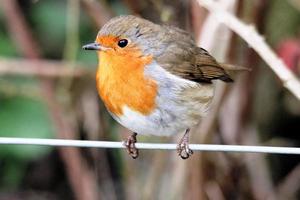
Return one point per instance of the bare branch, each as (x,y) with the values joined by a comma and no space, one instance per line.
(41,68)
(295,4)
(289,187)
(260,180)
(72,30)
(207,38)
(256,41)
(20,34)
(84,186)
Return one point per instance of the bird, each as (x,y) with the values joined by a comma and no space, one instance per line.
(154,79)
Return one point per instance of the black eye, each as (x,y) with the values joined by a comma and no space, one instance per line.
(122,43)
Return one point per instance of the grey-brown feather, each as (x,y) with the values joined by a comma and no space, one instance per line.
(172,48)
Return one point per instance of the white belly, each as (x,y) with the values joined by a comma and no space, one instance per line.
(180,104)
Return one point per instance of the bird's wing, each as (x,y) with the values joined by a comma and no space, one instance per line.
(192,63)
(209,68)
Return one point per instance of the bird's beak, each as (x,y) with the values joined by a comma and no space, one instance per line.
(92,46)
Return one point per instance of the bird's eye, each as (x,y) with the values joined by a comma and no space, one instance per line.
(122,43)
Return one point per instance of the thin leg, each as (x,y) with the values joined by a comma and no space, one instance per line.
(130,146)
(183,149)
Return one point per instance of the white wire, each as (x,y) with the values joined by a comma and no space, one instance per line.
(157,146)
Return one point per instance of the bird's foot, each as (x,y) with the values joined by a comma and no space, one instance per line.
(129,143)
(183,148)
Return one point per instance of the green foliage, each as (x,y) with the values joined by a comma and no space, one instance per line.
(12,172)
(87,34)
(283,21)
(50,23)
(88,57)
(119,7)
(6,47)
(23,117)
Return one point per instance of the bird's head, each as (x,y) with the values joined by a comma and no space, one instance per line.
(131,36)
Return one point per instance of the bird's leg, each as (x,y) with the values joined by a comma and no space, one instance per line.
(183,149)
(130,146)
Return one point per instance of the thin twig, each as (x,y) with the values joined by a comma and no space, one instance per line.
(207,38)
(16,23)
(84,186)
(256,41)
(260,180)
(295,4)
(41,68)
(154,146)
(72,30)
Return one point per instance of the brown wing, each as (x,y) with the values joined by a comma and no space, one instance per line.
(194,64)
(209,68)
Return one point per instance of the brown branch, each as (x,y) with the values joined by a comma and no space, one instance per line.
(295,4)
(72,30)
(82,181)
(204,132)
(289,187)
(239,105)
(80,176)
(214,191)
(99,13)
(20,34)
(154,174)
(134,6)
(41,68)
(243,91)
(260,180)
(198,15)
(257,42)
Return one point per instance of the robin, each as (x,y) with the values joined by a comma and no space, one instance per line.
(153,79)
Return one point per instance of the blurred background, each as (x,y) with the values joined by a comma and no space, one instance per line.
(47,90)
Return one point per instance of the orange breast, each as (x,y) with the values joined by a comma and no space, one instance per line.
(121,82)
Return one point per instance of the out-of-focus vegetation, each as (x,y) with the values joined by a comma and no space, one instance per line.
(68,107)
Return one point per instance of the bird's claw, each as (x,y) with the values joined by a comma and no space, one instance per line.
(183,150)
(129,143)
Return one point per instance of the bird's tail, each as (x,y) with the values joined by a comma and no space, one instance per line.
(230,67)
(234,70)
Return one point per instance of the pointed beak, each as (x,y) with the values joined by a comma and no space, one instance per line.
(92,46)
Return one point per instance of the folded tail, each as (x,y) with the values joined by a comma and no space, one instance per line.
(230,67)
